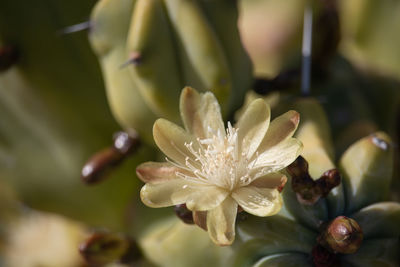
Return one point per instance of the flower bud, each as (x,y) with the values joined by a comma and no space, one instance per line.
(102,248)
(308,190)
(328,181)
(126,143)
(342,235)
(99,165)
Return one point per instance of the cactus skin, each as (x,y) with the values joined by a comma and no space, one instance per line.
(163,55)
(110,20)
(315,134)
(223,16)
(157,71)
(201,46)
(54,115)
(358,198)
(172,243)
(367,171)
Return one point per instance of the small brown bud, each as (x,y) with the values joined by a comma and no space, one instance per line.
(329,180)
(305,187)
(102,248)
(126,143)
(99,165)
(307,190)
(299,167)
(342,235)
(184,213)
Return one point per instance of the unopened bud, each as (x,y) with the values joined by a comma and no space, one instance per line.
(126,143)
(299,167)
(99,165)
(302,184)
(184,213)
(328,181)
(102,248)
(308,190)
(342,235)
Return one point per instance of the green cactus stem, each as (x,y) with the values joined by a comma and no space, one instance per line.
(150,42)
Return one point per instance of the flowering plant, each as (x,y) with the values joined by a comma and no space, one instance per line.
(215,171)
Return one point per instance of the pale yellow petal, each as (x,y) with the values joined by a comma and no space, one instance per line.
(201,113)
(166,194)
(197,196)
(172,141)
(258,201)
(278,157)
(270,180)
(206,198)
(280,129)
(157,172)
(221,222)
(252,126)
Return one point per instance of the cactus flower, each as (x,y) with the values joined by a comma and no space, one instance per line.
(214,170)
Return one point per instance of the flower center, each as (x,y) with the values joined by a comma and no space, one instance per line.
(218,160)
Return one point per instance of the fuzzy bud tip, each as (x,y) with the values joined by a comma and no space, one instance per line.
(342,235)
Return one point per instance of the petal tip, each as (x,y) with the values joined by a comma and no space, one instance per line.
(226,239)
(295,118)
(140,172)
(188,92)
(157,124)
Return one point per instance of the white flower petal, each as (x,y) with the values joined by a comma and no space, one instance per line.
(270,180)
(173,192)
(197,197)
(157,172)
(252,126)
(221,222)
(206,198)
(278,157)
(172,140)
(258,201)
(200,113)
(280,129)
